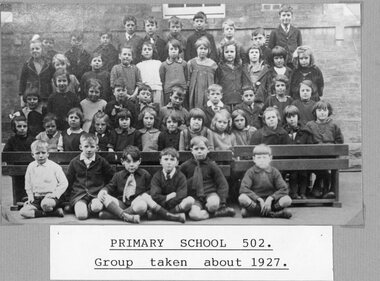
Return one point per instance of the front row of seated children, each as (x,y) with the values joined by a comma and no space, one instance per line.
(197,187)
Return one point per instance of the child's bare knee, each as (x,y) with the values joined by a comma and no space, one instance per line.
(47,204)
(80,210)
(27,212)
(285,201)
(96,206)
(213,203)
(139,207)
(244,200)
(196,213)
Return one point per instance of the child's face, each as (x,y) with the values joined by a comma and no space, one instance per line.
(40,154)
(305,92)
(248,97)
(279,61)
(168,163)
(150,28)
(88,147)
(173,51)
(239,122)
(100,125)
(145,96)
(21,128)
(32,102)
(230,53)
(196,123)
(199,24)
(176,100)
(93,94)
(286,18)
(322,114)
(76,43)
(148,120)
(50,128)
(259,39)
(124,123)
(271,119)
(221,124)
(202,51)
(131,165)
(147,52)
(229,32)
(48,44)
(199,151)
(280,88)
(60,65)
(120,94)
(171,125)
(254,55)
(292,120)
(262,160)
(35,50)
(126,56)
(304,59)
(215,96)
(175,28)
(74,121)
(96,63)
(130,27)
(62,83)
(105,39)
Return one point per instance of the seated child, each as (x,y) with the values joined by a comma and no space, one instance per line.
(100,127)
(126,195)
(87,175)
(59,61)
(169,137)
(45,182)
(305,104)
(169,186)
(110,55)
(70,138)
(263,191)
(251,108)
(149,134)
(240,128)
(205,183)
(21,140)
(51,135)
(214,103)
(221,131)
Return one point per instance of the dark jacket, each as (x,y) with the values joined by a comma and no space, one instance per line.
(267,136)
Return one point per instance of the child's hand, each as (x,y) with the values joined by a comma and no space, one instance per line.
(171,196)
(102,195)
(261,201)
(49,195)
(267,206)
(30,199)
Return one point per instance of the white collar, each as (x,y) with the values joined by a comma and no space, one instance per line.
(171,173)
(210,104)
(128,37)
(84,158)
(69,131)
(284,28)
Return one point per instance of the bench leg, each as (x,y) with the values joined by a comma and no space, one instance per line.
(18,190)
(335,187)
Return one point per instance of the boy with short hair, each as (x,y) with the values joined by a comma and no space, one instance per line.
(169,186)
(131,38)
(45,182)
(199,23)
(286,35)
(150,25)
(260,38)
(87,175)
(214,103)
(107,50)
(263,191)
(175,27)
(228,28)
(251,107)
(206,183)
(126,196)
(48,46)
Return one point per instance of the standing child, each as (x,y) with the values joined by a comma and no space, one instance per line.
(45,182)
(99,74)
(324,130)
(286,35)
(214,103)
(175,27)
(305,104)
(230,75)
(70,138)
(199,23)
(131,38)
(78,57)
(259,37)
(93,103)
(87,174)
(205,183)
(251,108)
(127,71)
(173,71)
(51,135)
(221,131)
(61,62)
(126,196)
(263,191)
(169,137)
(201,73)
(228,28)
(150,25)
(37,71)
(241,128)
(63,100)
(48,46)
(100,127)
(107,50)
(196,128)
(149,134)
(150,71)
(305,69)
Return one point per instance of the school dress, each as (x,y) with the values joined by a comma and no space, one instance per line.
(120,138)
(168,139)
(268,136)
(173,73)
(150,74)
(253,114)
(312,73)
(327,132)
(129,73)
(149,139)
(244,136)
(89,109)
(191,51)
(305,109)
(202,75)
(52,141)
(223,141)
(71,140)
(103,77)
(110,56)
(60,104)
(80,61)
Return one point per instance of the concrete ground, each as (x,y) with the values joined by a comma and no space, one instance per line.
(350,214)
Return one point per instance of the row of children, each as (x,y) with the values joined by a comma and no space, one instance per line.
(198,187)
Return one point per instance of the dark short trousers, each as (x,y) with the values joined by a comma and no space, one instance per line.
(38,199)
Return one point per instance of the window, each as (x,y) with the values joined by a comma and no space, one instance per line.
(270,7)
(187,11)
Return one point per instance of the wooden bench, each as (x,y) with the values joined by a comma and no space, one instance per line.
(300,157)
(14,164)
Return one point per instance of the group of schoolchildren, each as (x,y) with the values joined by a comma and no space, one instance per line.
(170,95)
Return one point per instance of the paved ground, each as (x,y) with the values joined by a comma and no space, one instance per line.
(350,214)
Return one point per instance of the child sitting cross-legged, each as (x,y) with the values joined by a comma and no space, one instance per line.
(126,196)
(45,182)
(263,191)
